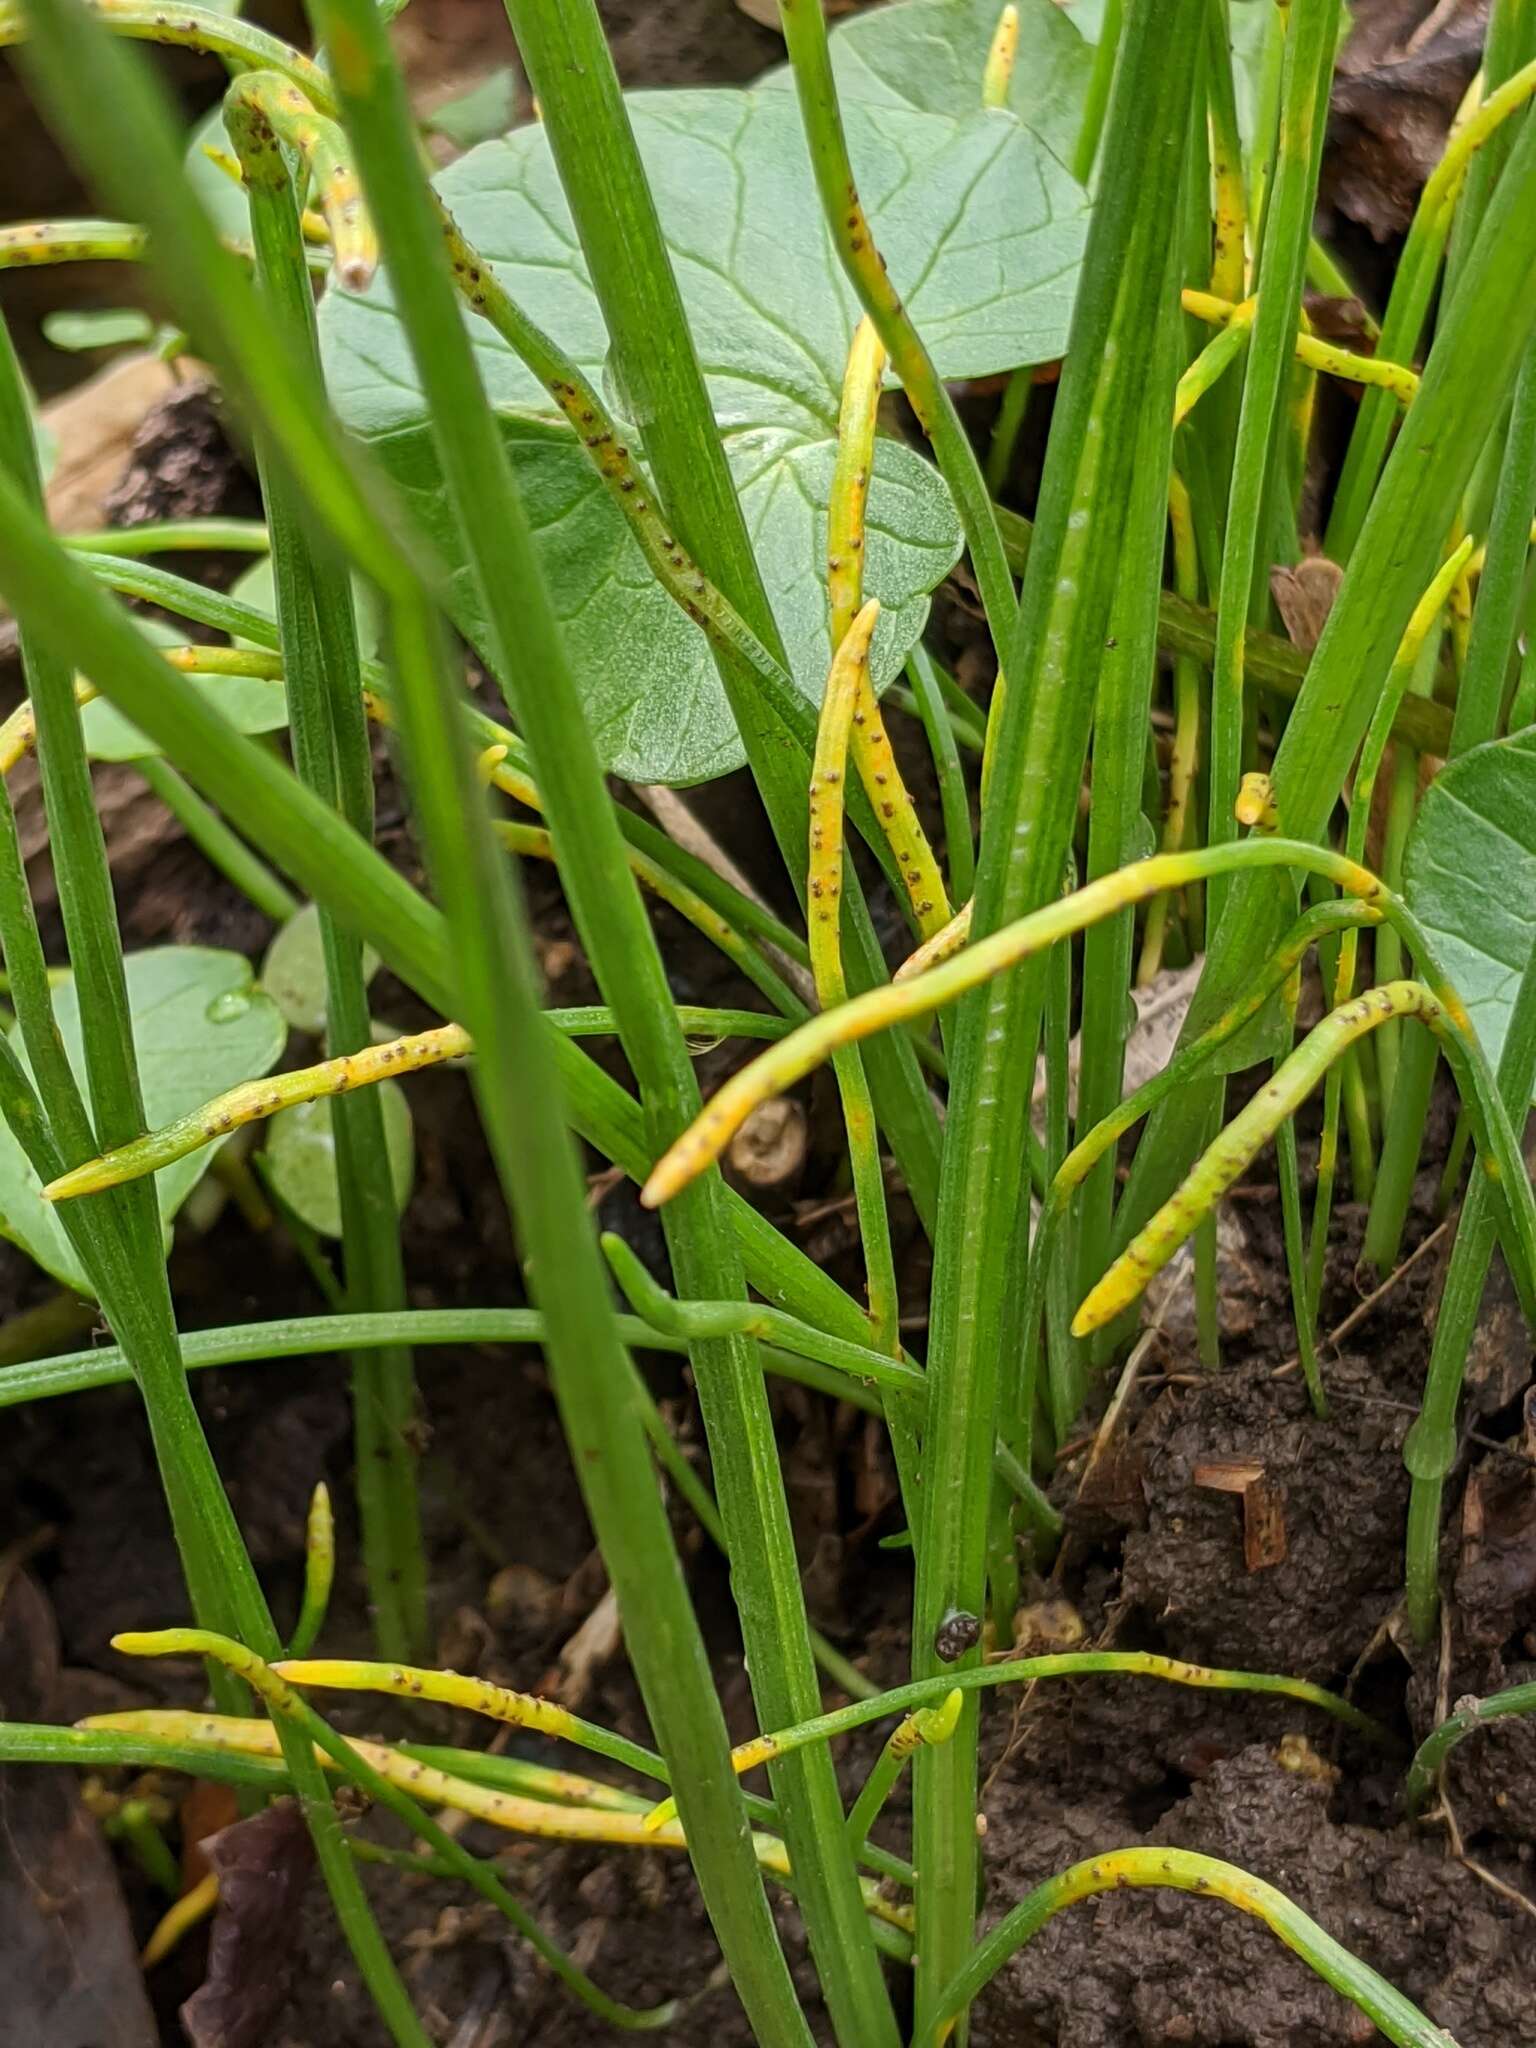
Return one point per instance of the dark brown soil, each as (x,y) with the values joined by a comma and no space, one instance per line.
(1156,1559)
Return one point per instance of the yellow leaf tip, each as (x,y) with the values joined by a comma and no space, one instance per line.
(137,1642)
(1087,1319)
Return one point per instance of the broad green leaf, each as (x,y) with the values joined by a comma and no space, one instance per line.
(199,1026)
(249,704)
(1086,16)
(655,705)
(301,1157)
(293,973)
(1250,23)
(475,116)
(928,55)
(1469,874)
(982,229)
(255,586)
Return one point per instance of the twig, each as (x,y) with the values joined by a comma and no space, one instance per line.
(1361,1310)
(1446,1811)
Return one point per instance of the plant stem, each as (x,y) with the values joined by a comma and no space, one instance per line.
(122,1240)
(1181,1870)
(1039,742)
(847,688)
(805,37)
(1096,99)
(954,800)
(1496,618)
(524,1123)
(224,849)
(216,30)
(360,1763)
(933,1692)
(1185,756)
(1413,286)
(1409,655)
(1481,342)
(1158,1239)
(1116,824)
(1432,1752)
(869,745)
(173,536)
(1479,702)
(922,1725)
(1430,1449)
(331,757)
(1184,1065)
(571,71)
(1311,35)
(331,864)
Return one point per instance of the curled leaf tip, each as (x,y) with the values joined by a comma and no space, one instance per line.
(940,1722)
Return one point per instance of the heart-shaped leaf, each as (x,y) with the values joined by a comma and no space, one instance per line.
(1469,874)
(199,1027)
(928,56)
(293,973)
(248,702)
(301,1157)
(982,228)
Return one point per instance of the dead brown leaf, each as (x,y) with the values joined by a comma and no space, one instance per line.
(1304,597)
(262,1865)
(68,1963)
(1400,78)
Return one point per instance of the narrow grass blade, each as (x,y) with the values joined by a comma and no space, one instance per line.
(1481,342)
(332,865)
(933,1692)
(1311,34)
(531,663)
(331,756)
(223,849)
(1470,1714)
(571,71)
(922,1725)
(1413,287)
(361,1763)
(1039,745)
(1182,1870)
(848,692)
(1431,1448)
(1393,1184)
(1117,826)
(805,37)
